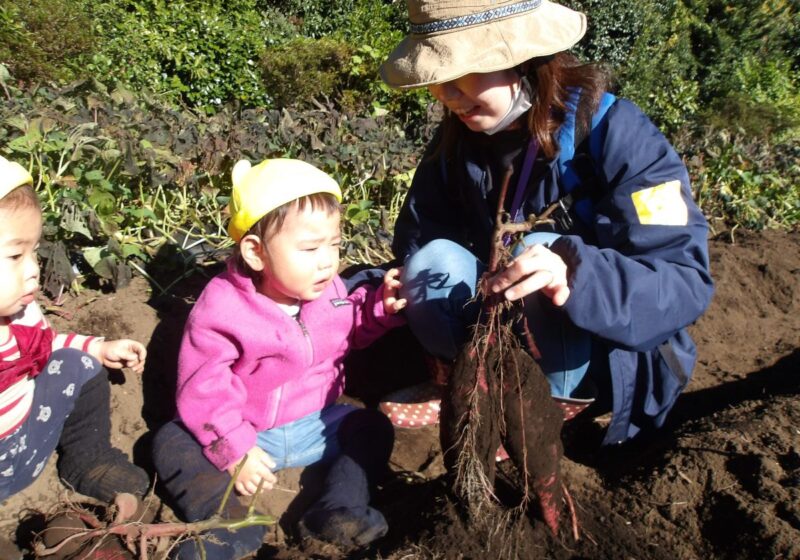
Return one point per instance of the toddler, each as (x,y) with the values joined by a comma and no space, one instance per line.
(260,367)
(54,390)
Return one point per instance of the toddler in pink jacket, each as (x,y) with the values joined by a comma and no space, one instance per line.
(260,367)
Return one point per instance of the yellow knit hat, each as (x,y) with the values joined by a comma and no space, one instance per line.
(12,175)
(257,190)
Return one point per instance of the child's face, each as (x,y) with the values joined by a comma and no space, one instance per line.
(479,100)
(303,257)
(20,229)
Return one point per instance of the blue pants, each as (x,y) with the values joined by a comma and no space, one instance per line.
(314,438)
(440,281)
(307,440)
(357,442)
(24,453)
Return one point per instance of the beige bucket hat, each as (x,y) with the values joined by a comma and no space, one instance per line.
(451,38)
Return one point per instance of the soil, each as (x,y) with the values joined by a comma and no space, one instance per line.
(720,480)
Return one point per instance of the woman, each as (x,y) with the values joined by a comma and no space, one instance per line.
(609,288)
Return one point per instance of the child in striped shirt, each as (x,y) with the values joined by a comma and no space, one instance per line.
(54,391)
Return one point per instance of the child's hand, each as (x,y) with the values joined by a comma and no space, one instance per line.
(257,467)
(120,353)
(391,284)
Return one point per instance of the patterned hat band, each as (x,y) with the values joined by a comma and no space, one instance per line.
(474,19)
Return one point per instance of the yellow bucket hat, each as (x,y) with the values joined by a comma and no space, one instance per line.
(259,189)
(453,38)
(12,175)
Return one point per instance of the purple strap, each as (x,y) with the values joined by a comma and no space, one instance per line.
(522,183)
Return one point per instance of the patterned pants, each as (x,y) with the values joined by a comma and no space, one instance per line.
(24,453)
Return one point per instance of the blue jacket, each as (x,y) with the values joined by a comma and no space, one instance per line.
(638,269)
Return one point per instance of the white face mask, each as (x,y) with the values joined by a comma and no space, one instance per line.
(519,104)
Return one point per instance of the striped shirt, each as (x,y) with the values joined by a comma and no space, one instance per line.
(16,400)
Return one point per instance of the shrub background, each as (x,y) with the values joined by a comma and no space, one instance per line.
(130,112)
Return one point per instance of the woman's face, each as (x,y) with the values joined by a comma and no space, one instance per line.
(479,100)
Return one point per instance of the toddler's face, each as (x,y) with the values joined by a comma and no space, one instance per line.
(303,257)
(20,229)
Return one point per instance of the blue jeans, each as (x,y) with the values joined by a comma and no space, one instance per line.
(440,281)
(307,440)
(180,463)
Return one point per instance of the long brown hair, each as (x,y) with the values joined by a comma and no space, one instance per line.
(551,79)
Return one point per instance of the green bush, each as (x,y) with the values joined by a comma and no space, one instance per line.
(693,61)
(374,28)
(40,39)
(743,180)
(317,18)
(661,72)
(647,45)
(125,179)
(747,54)
(302,69)
(354,38)
(612,29)
(764,101)
(204,52)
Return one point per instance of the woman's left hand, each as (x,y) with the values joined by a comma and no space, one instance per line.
(536,268)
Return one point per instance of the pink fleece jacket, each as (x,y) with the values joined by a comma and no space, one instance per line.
(246,366)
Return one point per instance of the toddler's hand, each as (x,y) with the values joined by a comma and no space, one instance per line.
(121,353)
(391,284)
(257,467)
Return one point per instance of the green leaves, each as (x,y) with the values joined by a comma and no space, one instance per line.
(199,52)
(73,220)
(740,180)
(358,212)
(122,190)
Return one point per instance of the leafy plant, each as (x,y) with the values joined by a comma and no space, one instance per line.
(127,182)
(40,39)
(740,180)
(746,50)
(304,69)
(614,26)
(202,52)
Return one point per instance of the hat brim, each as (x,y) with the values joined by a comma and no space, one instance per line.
(422,60)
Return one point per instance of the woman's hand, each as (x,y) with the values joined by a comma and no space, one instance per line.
(536,268)
(120,353)
(258,467)
(391,285)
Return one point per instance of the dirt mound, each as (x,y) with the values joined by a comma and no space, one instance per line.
(721,480)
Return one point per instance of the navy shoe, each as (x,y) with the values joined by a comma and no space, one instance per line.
(111,474)
(347,527)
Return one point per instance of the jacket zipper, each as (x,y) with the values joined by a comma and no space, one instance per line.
(307,337)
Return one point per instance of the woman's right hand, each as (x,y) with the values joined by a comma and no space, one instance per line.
(258,467)
(536,268)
